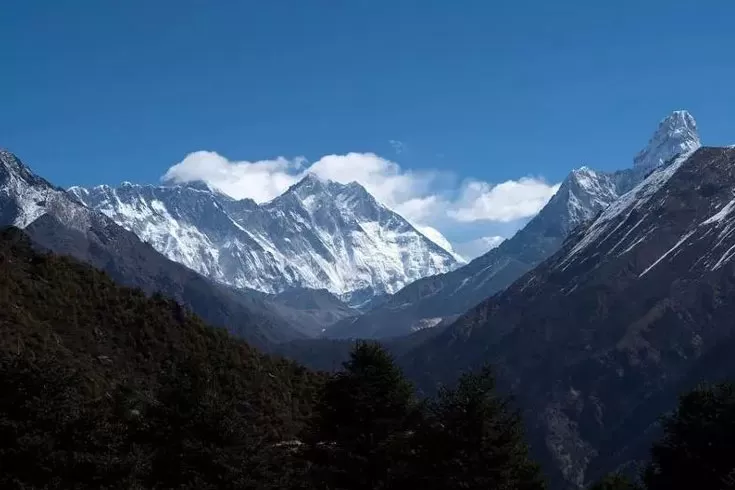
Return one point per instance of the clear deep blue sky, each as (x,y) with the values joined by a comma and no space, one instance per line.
(104,91)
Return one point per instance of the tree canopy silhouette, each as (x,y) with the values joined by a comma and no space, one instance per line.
(697,449)
(363,413)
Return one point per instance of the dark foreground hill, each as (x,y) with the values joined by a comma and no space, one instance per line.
(600,339)
(104,387)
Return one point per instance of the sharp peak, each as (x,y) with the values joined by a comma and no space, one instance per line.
(679,120)
(314,185)
(355,185)
(676,134)
(10,163)
(308,181)
(314,180)
(580,172)
(5,153)
(312,177)
(584,169)
(680,116)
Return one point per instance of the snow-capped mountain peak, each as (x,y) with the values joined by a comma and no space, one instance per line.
(313,184)
(581,195)
(11,168)
(584,194)
(588,191)
(200,185)
(676,134)
(586,179)
(25,197)
(318,234)
(310,183)
(58,220)
(10,162)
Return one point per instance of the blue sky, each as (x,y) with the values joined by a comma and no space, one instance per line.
(477,93)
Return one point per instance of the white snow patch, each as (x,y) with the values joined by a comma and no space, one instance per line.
(729,253)
(425,323)
(721,214)
(666,254)
(637,241)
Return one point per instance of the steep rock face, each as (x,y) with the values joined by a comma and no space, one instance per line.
(599,340)
(676,134)
(56,221)
(583,194)
(318,234)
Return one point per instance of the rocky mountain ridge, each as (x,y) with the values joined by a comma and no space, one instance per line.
(56,221)
(583,193)
(600,338)
(318,234)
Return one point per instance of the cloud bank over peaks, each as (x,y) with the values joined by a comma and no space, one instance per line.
(260,181)
(432,200)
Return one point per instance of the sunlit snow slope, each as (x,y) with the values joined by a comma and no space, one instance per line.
(318,234)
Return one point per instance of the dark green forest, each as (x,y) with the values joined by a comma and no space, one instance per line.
(106,388)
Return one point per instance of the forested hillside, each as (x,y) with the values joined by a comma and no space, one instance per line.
(104,387)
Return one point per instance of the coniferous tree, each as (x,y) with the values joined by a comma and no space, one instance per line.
(355,439)
(472,439)
(698,446)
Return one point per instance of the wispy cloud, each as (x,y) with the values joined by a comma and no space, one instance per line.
(398,146)
(432,200)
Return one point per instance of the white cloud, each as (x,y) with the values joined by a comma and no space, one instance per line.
(260,181)
(423,209)
(431,200)
(480,246)
(383,178)
(508,201)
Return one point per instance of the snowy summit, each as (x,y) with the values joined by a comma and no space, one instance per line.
(676,134)
(318,234)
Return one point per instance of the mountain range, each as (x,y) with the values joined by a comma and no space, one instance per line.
(598,339)
(610,302)
(318,235)
(56,221)
(601,337)
(323,258)
(437,300)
